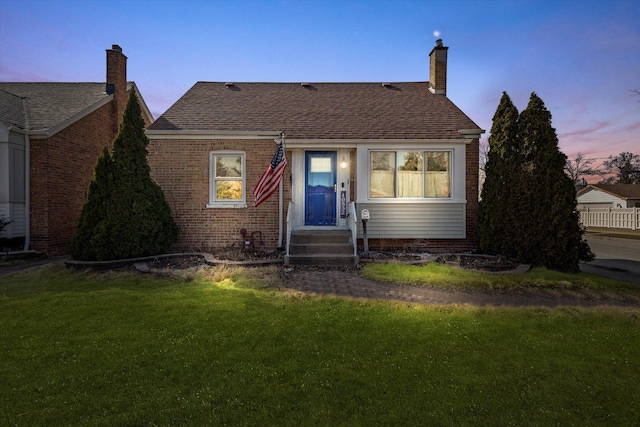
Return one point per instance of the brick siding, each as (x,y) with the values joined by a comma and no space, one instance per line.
(473,168)
(61,169)
(181,168)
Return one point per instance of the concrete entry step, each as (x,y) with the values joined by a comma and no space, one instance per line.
(320,247)
(322,260)
(320,236)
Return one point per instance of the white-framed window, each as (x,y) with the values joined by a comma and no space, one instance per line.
(410,174)
(227,179)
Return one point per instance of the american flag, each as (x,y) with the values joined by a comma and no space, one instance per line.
(270,178)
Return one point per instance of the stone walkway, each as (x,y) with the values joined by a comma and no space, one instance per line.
(351,284)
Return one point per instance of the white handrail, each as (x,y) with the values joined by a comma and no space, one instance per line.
(290,208)
(352,221)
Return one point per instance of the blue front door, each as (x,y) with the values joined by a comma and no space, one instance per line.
(320,188)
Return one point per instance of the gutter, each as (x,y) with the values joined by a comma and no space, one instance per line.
(208,134)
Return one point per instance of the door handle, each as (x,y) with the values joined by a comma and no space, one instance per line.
(335,188)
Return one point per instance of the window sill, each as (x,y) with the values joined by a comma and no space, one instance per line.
(226,205)
(412,201)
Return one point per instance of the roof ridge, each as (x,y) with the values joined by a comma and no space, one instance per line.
(312,82)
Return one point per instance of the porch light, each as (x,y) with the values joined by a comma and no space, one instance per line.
(343,163)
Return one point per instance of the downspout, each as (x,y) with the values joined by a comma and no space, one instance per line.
(27,192)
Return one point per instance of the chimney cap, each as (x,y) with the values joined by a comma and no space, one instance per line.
(439,46)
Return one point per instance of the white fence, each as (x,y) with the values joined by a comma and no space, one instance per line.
(628,218)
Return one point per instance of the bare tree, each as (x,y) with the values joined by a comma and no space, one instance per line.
(482,173)
(635,92)
(626,167)
(580,167)
(484,153)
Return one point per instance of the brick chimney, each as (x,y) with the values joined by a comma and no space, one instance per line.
(438,69)
(117,81)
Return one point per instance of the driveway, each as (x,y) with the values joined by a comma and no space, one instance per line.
(616,258)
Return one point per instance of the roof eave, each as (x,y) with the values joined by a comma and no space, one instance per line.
(143,104)
(595,187)
(209,134)
(471,133)
(48,133)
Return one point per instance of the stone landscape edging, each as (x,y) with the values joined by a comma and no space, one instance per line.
(208,258)
(141,263)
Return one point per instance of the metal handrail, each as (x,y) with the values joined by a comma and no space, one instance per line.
(352,221)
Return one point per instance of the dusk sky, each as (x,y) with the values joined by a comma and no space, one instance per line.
(581,57)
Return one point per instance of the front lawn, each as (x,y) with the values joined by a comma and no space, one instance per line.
(538,281)
(229,348)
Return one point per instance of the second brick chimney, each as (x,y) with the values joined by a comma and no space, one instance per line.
(117,81)
(438,69)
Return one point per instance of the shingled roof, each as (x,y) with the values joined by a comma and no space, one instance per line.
(318,110)
(47,105)
(12,109)
(623,191)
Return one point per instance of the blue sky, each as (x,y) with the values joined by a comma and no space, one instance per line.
(581,57)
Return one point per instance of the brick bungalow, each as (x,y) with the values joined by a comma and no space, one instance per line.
(51,135)
(402,151)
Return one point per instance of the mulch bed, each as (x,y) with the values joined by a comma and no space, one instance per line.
(226,254)
(466,261)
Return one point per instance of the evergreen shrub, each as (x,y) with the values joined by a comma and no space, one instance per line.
(125,214)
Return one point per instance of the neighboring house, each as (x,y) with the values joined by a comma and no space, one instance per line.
(51,135)
(609,196)
(403,151)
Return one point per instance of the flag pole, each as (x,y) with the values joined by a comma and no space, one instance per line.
(281,198)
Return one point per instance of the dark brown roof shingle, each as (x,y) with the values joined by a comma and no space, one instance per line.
(318,110)
(49,104)
(12,109)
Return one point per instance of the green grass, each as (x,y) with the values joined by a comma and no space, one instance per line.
(537,281)
(229,348)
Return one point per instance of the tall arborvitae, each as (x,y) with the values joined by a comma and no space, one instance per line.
(126,214)
(528,207)
(95,209)
(497,216)
(550,234)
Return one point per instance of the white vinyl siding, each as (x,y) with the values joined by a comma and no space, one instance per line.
(12,183)
(414,220)
(595,198)
(416,217)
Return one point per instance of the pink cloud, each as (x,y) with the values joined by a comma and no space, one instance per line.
(632,127)
(597,127)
